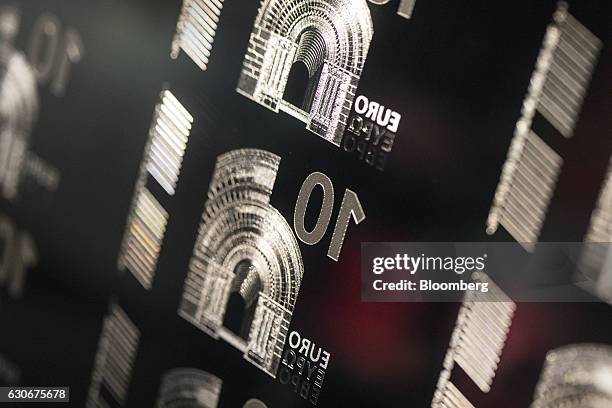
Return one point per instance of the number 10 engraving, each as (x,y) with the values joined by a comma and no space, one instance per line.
(350,207)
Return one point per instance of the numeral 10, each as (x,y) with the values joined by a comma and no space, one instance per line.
(52,52)
(350,207)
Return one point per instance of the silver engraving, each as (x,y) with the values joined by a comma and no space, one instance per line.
(254,403)
(244,247)
(169,135)
(330,37)
(18,106)
(451,397)
(565,71)
(350,208)
(476,344)
(52,52)
(317,233)
(73,51)
(114,359)
(143,238)
(557,89)
(525,190)
(189,388)
(196,29)
(595,263)
(147,220)
(576,376)
(44,44)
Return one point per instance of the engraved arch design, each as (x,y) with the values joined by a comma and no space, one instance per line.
(345,25)
(576,375)
(18,112)
(244,247)
(189,388)
(331,38)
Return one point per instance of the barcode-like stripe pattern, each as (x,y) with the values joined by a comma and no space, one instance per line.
(523,196)
(146,231)
(451,397)
(557,88)
(196,29)
(146,223)
(114,358)
(477,342)
(569,69)
(482,327)
(169,135)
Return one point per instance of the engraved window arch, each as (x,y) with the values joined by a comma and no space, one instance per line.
(244,247)
(331,37)
(189,387)
(194,388)
(576,376)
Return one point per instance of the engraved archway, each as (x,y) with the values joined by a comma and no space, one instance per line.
(330,37)
(245,248)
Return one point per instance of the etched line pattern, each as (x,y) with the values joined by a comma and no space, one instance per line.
(596,251)
(189,387)
(169,134)
(146,224)
(195,30)
(331,38)
(240,176)
(244,247)
(600,229)
(483,325)
(145,235)
(569,70)
(557,88)
(527,184)
(451,397)
(114,358)
(477,342)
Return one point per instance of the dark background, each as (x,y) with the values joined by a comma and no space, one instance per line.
(457,72)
